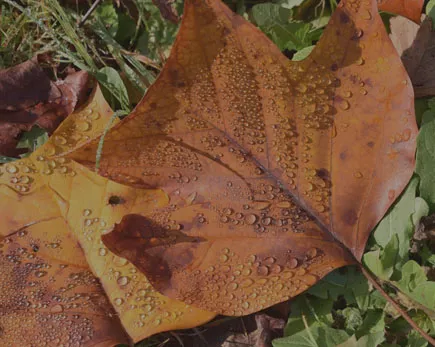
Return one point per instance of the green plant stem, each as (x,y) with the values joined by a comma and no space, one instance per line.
(101,142)
(399,309)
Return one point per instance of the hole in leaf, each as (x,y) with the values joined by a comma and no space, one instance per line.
(116,200)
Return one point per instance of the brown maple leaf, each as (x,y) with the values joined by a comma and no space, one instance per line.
(238,182)
(275,171)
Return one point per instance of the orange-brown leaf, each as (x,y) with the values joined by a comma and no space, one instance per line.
(273,169)
(407,8)
(56,274)
(48,294)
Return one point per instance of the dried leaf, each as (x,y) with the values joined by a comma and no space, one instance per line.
(51,234)
(167,10)
(274,170)
(247,179)
(30,98)
(262,337)
(407,8)
(416,45)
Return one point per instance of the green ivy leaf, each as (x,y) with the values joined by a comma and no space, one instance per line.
(374,322)
(412,276)
(107,14)
(425,165)
(303,53)
(33,139)
(353,319)
(317,335)
(110,79)
(274,20)
(369,340)
(397,223)
(416,340)
(421,210)
(430,11)
(290,3)
(382,263)
(313,309)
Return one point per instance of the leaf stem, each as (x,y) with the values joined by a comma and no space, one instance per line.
(101,142)
(307,328)
(402,312)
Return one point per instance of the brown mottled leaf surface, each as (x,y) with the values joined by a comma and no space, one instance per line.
(59,284)
(275,172)
(416,45)
(29,97)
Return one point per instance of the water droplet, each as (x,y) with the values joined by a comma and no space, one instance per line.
(358,33)
(263,270)
(87,212)
(301,271)
(118,301)
(93,115)
(344,105)
(246,272)
(25,179)
(123,280)
(56,309)
(292,263)
(47,171)
(266,221)
(233,286)
(245,305)
(250,219)
(252,258)
(223,258)
(284,204)
(269,261)
(50,149)
(118,261)
(224,219)
(82,125)
(366,14)
(312,253)
(11,168)
(262,281)
(102,251)
(275,268)
(40,273)
(360,61)
(60,140)
(406,135)
(246,283)
(261,205)
(228,211)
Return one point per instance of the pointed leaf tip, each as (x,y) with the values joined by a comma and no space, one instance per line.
(411,9)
